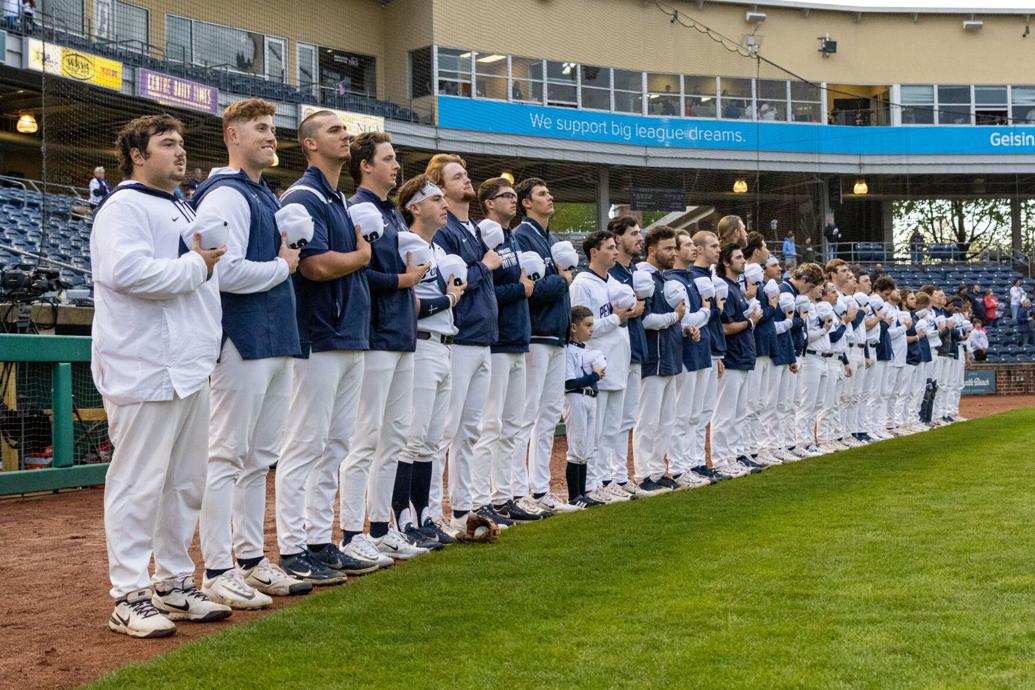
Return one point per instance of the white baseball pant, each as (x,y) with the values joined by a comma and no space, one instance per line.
(324,397)
(679,447)
(813,386)
(432,383)
(752,432)
(471,373)
(249,403)
(610,406)
(367,477)
(580,427)
(630,406)
(852,392)
(941,398)
(778,416)
(729,415)
(705,390)
(544,396)
(500,423)
(875,398)
(154,487)
(828,422)
(893,389)
(655,419)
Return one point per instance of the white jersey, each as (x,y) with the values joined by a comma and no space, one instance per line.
(157,320)
(818,339)
(609,335)
(897,333)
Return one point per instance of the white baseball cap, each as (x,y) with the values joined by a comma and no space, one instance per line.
(643,284)
(595,359)
(753,274)
(861,298)
(492,233)
(802,301)
(533,265)
(824,311)
(294,221)
(369,219)
(620,294)
(211,226)
(772,289)
(452,266)
(877,302)
(705,287)
(722,288)
(414,245)
(786,302)
(564,255)
(675,292)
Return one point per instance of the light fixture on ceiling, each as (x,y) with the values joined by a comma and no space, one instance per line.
(508,176)
(740,186)
(861,187)
(27,124)
(494,57)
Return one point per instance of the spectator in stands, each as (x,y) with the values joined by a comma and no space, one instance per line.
(878,271)
(11,12)
(832,235)
(99,187)
(991,307)
(978,341)
(790,252)
(808,253)
(29,16)
(977,301)
(1024,323)
(196,178)
(1016,297)
(916,246)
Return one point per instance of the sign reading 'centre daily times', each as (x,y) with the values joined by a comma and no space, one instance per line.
(73,64)
(745,135)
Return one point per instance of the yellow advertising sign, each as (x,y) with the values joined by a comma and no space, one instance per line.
(73,64)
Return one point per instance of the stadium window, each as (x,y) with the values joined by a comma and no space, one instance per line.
(420,72)
(454,72)
(526,80)
(991,105)
(699,99)
(917,104)
(735,98)
(561,84)
(490,76)
(68,14)
(1023,103)
(806,102)
(306,67)
(772,99)
(954,105)
(664,93)
(276,58)
(237,50)
(346,73)
(628,89)
(595,87)
(178,39)
(131,27)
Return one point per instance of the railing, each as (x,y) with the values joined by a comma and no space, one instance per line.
(886,252)
(60,352)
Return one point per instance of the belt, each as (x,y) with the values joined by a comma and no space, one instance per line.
(820,354)
(857,345)
(436,337)
(584,391)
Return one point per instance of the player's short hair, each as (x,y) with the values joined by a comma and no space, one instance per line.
(928,289)
(860,274)
(657,234)
(364,148)
(884,283)
(579,312)
(729,229)
(491,188)
(438,164)
(682,232)
(923,300)
(832,266)
(595,240)
(137,133)
(620,225)
(307,128)
(809,272)
(727,252)
(407,191)
(524,190)
(701,236)
(245,111)
(755,241)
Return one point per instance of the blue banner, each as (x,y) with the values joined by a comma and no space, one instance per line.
(742,135)
(979,382)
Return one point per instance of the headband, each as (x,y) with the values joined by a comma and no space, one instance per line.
(426,192)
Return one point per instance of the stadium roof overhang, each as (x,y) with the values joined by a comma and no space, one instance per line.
(1019,7)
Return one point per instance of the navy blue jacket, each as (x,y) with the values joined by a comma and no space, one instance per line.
(260,324)
(549,306)
(393,312)
(765,329)
(913,352)
(716,338)
(331,314)
(664,353)
(884,352)
(637,336)
(798,330)
(696,356)
(513,321)
(740,347)
(475,315)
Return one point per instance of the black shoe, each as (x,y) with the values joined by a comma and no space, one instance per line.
(652,488)
(489,514)
(418,538)
(584,501)
(432,531)
(332,557)
(668,483)
(706,472)
(302,567)
(750,464)
(515,513)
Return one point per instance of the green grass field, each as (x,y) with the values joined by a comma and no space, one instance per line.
(910,563)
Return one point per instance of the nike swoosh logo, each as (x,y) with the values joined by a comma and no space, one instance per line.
(175,219)
(305,574)
(261,581)
(178,607)
(120,619)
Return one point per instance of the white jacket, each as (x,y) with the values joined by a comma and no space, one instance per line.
(156,325)
(609,336)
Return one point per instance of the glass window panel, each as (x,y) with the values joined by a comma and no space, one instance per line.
(348,72)
(239,50)
(954,94)
(275,62)
(491,64)
(1024,115)
(803,91)
(700,86)
(491,87)
(700,106)
(527,90)
(561,71)
(628,102)
(918,115)
(598,99)
(773,90)
(561,94)
(177,39)
(917,93)
(992,117)
(454,64)
(806,112)
(1023,95)
(68,13)
(599,77)
(527,75)
(953,114)
(628,81)
(664,105)
(740,88)
(990,95)
(131,25)
(663,83)
(420,72)
(772,110)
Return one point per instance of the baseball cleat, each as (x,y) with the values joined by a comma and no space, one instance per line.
(617,493)
(489,513)
(667,482)
(530,505)
(230,589)
(180,600)
(332,557)
(515,512)
(553,504)
(585,501)
(649,487)
(706,473)
(418,539)
(747,463)
(631,488)
(395,545)
(730,470)
(689,480)
(442,528)
(135,615)
(301,566)
(362,548)
(269,578)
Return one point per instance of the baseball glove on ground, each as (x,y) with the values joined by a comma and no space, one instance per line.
(480,530)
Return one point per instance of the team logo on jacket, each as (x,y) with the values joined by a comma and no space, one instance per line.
(507,256)
(606,310)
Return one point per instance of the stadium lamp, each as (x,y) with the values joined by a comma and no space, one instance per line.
(861,187)
(27,124)
(508,176)
(740,186)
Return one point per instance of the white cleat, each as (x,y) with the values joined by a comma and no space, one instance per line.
(135,615)
(617,493)
(768,459)
(553,504)
(395,545)
(180,600)
(272,580)
(230,589)
(599,494)
(363,548)
(691,480)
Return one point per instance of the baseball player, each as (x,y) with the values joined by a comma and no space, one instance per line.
(628,243)
(595,289)
(251,383)
(476,319)
(425,209)
(815,370)
(663,361)
(706,387)
(805,281)
(583,369)
(156,335)
(778,409)
(550,311)
(731,229)
(759,396)
(505,402)
(367,477)
(850,392)
(333,315)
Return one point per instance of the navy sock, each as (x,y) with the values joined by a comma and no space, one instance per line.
(583,469)
(317,548)
(216,572)
(571,477)
(401,490)
(378,529)
(347,536)
(537,496)
(420,490)
(249,563)
(460,513)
